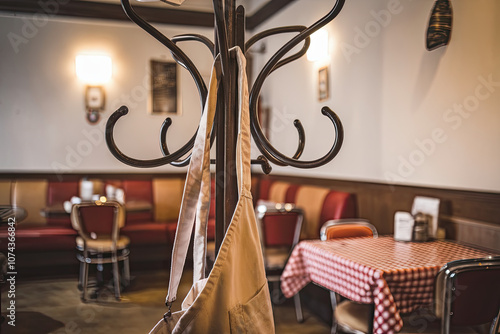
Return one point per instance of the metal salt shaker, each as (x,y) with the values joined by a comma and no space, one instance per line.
(421,228)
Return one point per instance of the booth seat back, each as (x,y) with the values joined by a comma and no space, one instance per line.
(167,196)
(274,191)
(57,194)
(319,204)
(37,196)
(138,200)
(31,195)
(5,192)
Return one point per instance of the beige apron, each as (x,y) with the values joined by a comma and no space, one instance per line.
(235,296)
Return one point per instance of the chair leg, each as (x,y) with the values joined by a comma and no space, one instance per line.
(85,276)
(126,272)
(495,326)
(116,276)
(275,292)
(80,276)
(333,301)
(100,271)
(298,307)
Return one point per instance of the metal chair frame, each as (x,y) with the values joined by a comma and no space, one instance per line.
(88,256)
(451,270)
(262,210)
(333,295)
(346,221)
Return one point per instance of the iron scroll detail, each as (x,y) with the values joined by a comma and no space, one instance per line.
(181,157)
(261,141)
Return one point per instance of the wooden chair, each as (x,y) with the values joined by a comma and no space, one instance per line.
(349,316)
(279,229)
(99,241)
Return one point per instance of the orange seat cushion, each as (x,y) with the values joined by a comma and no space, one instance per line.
(348,231)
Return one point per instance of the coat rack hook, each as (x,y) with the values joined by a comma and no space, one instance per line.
(261,141)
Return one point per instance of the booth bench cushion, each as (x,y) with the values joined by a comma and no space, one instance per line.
(150,233)
(320,204)
(36,239)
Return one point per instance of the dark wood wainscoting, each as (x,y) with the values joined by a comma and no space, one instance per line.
(468,216)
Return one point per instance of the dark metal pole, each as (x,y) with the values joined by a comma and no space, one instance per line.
(231,125)
(226,185)
(240,30)
(219,162)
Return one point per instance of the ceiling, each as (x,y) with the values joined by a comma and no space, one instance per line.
(194,5)
(191,12)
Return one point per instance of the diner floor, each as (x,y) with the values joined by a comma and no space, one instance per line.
(54,306)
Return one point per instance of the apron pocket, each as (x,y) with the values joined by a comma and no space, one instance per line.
(252,317)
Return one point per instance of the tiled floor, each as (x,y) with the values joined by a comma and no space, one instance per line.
(54,306)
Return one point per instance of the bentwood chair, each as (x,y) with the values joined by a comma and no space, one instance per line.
(349,316)
(99,241)
(468,294)
(279,229)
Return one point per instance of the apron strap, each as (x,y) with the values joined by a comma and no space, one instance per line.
(196,197)
(243,146)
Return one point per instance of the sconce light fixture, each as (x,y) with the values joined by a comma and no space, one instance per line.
(94,71)
(318,49)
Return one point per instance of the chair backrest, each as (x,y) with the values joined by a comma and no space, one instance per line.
(280,224)
(468,292)
(102,220)
(347,228)
(279,227)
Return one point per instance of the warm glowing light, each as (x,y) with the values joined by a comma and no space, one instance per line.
(103,199)
(318,50)
(93,69)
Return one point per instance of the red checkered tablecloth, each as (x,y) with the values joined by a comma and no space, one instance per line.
(396,276)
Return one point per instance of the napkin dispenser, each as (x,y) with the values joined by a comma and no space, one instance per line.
(403,226)
(408,227)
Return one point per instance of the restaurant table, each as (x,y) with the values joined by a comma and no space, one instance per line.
(397,277)
(11,211)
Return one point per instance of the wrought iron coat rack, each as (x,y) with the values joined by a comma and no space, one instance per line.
(229,32)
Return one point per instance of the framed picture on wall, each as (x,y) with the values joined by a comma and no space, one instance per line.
(323,89)
(164,88)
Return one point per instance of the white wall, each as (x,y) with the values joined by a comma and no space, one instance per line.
(391,94)
(397,100)
(42,118)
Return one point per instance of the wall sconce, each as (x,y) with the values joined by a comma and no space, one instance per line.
(94,71)
(318,49)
